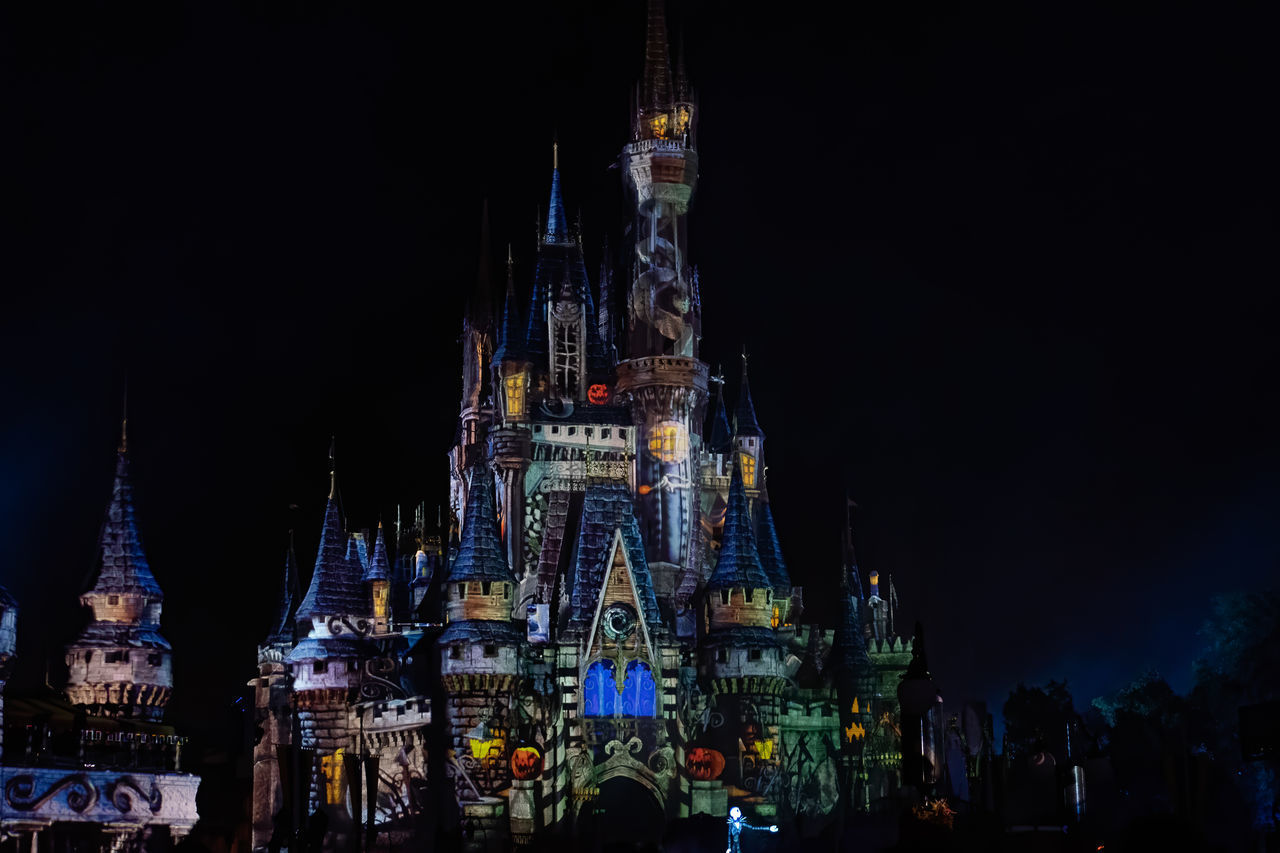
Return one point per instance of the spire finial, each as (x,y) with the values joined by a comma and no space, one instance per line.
(124,419)
(510,262)
(555,154)
(333,468)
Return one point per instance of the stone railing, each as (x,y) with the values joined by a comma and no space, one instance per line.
(39,796)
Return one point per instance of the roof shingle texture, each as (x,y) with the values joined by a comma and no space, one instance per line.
(122,565)
(480,553)
(336,588)
(738,566)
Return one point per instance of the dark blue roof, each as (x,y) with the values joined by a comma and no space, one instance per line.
(122,565)
(557,222)
(849,648)
(607,508)
(282,629)
(336,588)
(738,566)
(481,631)
(480,553)
(744,417)
(511,344)
(770,551)
(719,436)
(379,568)
(744,637)
(325,648)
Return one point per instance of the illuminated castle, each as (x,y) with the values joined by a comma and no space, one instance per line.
(609,624)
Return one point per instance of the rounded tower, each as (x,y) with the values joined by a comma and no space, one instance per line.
(120,665)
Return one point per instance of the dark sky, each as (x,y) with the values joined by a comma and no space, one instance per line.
(1007,276)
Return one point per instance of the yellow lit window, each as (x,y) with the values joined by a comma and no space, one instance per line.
(515,395)
(669,442)
(658,124)
(747,463)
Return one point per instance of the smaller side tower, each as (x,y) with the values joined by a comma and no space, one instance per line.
(378,578)
(8,649)
(748,441)
(120,665)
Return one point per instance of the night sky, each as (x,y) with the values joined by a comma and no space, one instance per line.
(1007,276)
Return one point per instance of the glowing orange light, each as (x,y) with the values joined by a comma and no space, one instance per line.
(598,395)
(645,489)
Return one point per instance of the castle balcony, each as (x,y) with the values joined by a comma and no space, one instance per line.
(35,798)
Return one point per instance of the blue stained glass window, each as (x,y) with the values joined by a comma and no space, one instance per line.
(599,690)
(639,692)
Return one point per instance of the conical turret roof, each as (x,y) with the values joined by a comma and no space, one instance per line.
(335,587)
(739,564)
(480,553)
(770,550)
(744,417)
(719,436)
(284,625)
(122,566)
(511,335)
(379,568)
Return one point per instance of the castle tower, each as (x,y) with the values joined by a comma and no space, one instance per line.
(378,578)
(478,650)
(852,678)
(662,378)
(748,440)
(511,440)
(742,654)
(325,664)
(476,411)
(775,566)
(8,649)
(120,665)
(273,712)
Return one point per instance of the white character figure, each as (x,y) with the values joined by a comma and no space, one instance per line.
(736,825)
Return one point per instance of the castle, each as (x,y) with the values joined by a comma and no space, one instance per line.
(607,639)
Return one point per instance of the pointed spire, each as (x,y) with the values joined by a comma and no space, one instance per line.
(719,436)
(379,567)
(122,565)
(744,417)
(682,78)
(479,310)
(335,588)
(511,346)
(557,221)
(770,550)
(656,82)
(284,628)
(851,579)
(739,564)
(481,556)
(124,420)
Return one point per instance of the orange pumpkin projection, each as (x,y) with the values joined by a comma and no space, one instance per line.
(704,764)
(526,762)
(598,395)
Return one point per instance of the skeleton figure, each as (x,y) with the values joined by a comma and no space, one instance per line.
(736,824)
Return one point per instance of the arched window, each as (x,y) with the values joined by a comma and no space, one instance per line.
(639,692)
(599,690)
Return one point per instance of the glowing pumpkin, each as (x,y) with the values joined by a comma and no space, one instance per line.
(598,395)
(704,764)
(526,763)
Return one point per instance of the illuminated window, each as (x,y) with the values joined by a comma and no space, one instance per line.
(747,463)
(639,691)
(515,395)
(776,619)
(599,690)
(658,124)
(567,361)
(669,442)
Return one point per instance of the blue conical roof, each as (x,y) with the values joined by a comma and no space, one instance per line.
(480,553)
(557,223)
(744,418)
(379,568)
(770,551)
(122,566)
(739,564)
(849,649)
(336,588)
(511,337)
(719,436)
(282,629)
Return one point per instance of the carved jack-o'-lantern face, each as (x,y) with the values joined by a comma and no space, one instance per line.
(526,762)
(704,764)
(598,395)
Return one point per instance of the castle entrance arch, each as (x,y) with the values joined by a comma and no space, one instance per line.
(625,810)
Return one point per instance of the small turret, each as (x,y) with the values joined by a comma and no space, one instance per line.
(120,665)
(741,594)
(748,438)
(284,628)
(775,566)
(378,577)
(510,362)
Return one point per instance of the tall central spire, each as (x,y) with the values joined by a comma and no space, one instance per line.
(656,94)
(557,221)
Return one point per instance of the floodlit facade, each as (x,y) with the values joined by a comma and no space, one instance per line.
(604,638)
